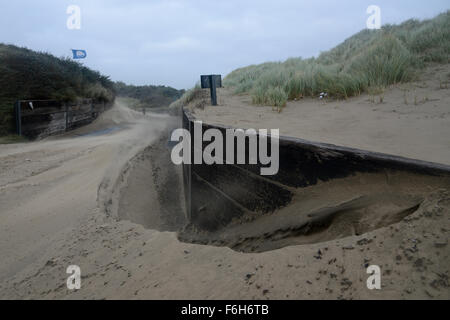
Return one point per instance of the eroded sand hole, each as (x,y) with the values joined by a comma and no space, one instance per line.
(327,211)
(306,223)
(152,194)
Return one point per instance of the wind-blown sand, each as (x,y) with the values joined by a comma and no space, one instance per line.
(63,201)
(413,120)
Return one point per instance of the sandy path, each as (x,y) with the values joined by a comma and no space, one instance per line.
(47,187)
(52,215)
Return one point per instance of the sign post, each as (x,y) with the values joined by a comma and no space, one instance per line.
(212,82)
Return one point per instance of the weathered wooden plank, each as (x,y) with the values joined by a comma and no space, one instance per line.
(43,129)
(37,118)
(41,110)
(40,106)
(79,107)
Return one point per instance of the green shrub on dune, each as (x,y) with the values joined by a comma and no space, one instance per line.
(148,96)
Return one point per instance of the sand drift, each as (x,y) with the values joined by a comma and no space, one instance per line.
(321,193)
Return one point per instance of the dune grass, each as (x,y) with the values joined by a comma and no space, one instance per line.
(370,60)
(187,97)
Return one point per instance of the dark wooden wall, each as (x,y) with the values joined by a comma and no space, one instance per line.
(216,194)
(37,119)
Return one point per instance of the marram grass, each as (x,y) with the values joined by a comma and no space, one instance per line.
(370,59)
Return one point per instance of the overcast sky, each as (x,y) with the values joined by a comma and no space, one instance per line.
(172,42)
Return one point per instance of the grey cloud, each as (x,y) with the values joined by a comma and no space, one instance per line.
(172,42)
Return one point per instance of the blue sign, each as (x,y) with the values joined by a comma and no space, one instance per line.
(79,54)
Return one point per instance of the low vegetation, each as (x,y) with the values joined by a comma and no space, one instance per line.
(366,62)
(12,138)
(147,96)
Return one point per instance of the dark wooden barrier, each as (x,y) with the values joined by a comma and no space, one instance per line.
(41,118)
(216,194)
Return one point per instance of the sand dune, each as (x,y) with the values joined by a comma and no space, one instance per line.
(413,119)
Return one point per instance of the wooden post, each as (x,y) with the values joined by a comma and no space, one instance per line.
(212,80)
(66,108)
(18,114)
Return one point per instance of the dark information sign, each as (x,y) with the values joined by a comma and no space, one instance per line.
(206,80)
(211,81)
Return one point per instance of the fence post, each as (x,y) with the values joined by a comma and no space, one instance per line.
(18,115)
(66,109)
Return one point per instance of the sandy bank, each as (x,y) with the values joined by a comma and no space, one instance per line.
(413,119)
